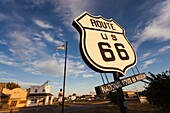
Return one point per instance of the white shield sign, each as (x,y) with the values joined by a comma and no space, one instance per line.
(103,45)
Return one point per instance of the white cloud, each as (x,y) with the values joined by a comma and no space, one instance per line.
(4,59)
(159,26)
(47,36)
(164,49)
(88,75)
(31,56)
(149,62)
(42,24)
(49,67)
(4,73)
(22,46)
(53,67)
(68,10)
(144,56)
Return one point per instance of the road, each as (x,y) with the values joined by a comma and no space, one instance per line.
(54,109)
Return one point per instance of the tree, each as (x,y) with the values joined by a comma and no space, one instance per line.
(158,90)
(12,85)
(74,94)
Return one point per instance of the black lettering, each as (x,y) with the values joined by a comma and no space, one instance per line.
(114,37)
(133,79)
(98,24)
(112,27)
(103,52)
(93,22)
(104,25)
(108,25)
(123,56)
(104,37)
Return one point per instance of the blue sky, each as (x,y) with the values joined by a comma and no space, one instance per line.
(30,31)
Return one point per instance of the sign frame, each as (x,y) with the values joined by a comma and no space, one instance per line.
(83,40)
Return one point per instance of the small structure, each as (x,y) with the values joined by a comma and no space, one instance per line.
(40,95)
(143,99)
(130,94)
(17,97)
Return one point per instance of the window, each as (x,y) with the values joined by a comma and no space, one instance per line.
(36,90)
(43,90)
(13,103)
(33,101)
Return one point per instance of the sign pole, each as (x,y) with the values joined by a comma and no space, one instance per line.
(120,95)
(64,77)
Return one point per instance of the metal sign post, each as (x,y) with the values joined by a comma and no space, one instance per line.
(120,95)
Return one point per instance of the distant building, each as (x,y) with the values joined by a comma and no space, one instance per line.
(130,94)
(39,95)
(17,97)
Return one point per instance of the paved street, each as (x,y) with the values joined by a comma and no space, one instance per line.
(54,109)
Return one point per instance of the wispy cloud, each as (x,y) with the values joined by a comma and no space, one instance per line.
(43,24)
(144,56)
(158,27)
(88,75)
(28,48)
(49,38)
(149,62)
(3,17)
(70,9)
(150,54)
(4,73)
(164,49)
(3,42)
(5,59)
(53,67)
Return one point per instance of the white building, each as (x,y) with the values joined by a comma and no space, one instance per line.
(40,95)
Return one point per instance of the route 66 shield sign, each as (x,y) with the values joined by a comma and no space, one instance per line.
(103,44)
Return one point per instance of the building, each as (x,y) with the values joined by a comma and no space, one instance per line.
(130,94)
(3,97)
(17,97)
(40,95)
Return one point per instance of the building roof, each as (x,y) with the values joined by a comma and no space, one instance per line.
(40,94)
(3,95)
